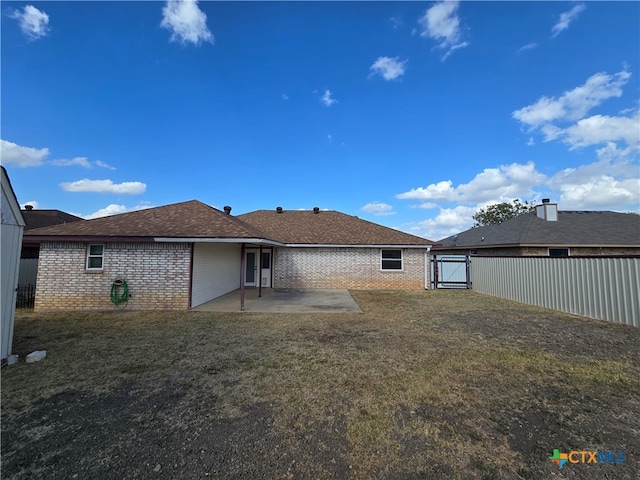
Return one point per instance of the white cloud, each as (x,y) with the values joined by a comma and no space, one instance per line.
(104,186)
(506,182)
(378,209)
(33,22)
(388,68)
(528,46)
(566,18)
(448,222)
(563,118)
(492,185)
(396,22)
(114,209)
(600,193)
(80,162)
(77,161)
(502,184)
(611,153)
(574,104)
(439,192)
(102,164)
(327,100)
(11,153)
(611,182)
(186,22)
(442,24)
(599,129)
(285,97)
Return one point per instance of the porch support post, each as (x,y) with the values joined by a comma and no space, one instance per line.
(242,273)
(260,273)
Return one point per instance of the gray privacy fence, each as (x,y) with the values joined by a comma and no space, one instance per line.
(604,288)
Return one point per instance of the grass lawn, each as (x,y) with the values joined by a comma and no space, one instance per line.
(425,384)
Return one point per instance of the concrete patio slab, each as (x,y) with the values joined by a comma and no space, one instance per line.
(284,300)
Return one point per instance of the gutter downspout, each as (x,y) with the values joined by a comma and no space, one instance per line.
(242,269)
(193,248)
(427,269)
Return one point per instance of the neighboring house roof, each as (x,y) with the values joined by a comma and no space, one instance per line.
(573,228)
(322,227)
(185,220)
(46,218)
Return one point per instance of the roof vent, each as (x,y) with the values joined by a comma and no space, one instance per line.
(28,207)
(545,200)
(316,210)
(227,209)
(279,209)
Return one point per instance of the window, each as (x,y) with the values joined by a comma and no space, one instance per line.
(391,259)
(558,252)
(95,257)
(266,259)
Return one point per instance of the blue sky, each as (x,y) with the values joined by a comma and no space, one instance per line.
(409,114)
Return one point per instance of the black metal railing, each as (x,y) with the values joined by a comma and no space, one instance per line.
(26,297)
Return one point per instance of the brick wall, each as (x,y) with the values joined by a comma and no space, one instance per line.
(157,274)
(355,268)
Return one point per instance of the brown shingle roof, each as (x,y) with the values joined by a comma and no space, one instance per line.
(326,228)
(192,219)
(46,218)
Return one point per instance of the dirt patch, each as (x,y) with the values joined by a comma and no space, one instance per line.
(132,432)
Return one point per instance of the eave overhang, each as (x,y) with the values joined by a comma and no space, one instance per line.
(125,239)
(85,238)
(256,241)
(340,245)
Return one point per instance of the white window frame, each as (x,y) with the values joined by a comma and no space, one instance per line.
(401,260)
(90,256)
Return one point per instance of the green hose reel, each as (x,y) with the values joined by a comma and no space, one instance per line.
(120,293)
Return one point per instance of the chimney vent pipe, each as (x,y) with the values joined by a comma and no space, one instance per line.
(279,209)
(316,210)
(227,209)
(547,211)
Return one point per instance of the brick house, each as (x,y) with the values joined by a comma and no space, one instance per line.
(179,256)
(549,232)
(37,218)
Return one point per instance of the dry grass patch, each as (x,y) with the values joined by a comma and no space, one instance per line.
(443,384)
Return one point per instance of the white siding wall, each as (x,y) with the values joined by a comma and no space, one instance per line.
(216,271)
(11,236)
(603,288)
